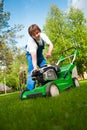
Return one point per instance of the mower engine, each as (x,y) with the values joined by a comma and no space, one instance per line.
(45,74)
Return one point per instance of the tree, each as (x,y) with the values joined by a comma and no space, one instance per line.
(78,35)
(7,36)
(4,17)
(16,76)
(55,29)
(66,30)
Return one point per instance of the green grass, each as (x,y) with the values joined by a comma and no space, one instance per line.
(68,111)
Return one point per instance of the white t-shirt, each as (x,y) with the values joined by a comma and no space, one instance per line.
(32,46)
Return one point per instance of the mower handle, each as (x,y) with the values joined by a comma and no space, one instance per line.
(70,48)
(62,58)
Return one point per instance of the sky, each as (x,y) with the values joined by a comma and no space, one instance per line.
(28,12)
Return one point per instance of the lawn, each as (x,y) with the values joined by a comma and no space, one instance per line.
(68,111)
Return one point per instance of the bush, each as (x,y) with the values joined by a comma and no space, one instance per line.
(12,81)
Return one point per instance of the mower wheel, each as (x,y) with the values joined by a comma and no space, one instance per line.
(52,90)
(22,92)
(76,82)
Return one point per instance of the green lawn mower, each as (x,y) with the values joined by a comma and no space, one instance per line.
(51,80)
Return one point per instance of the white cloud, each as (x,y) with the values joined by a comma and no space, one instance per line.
(81,4)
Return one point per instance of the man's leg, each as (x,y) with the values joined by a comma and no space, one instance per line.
(42,62)
(30,82)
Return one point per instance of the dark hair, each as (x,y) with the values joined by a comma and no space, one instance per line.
(33,28)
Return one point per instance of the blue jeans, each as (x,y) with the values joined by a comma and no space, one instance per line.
(40,62)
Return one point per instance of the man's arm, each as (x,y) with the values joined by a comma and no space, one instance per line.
(34,60)
(49,50)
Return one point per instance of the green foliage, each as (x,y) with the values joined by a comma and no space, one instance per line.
(8,49)
(1,76)
(8,36)
(4,16)
(13,74)
(6,56)
(66,30)
(55,29)
(12,81)
(78,25)
(64,112)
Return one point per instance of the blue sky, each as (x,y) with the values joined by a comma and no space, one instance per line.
(31,11)
(27,12)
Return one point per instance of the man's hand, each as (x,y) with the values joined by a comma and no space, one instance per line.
(48,55)
(35,69)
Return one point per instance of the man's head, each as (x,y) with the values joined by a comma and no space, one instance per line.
(34,31)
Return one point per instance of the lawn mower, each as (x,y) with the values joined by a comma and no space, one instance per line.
(51,80)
